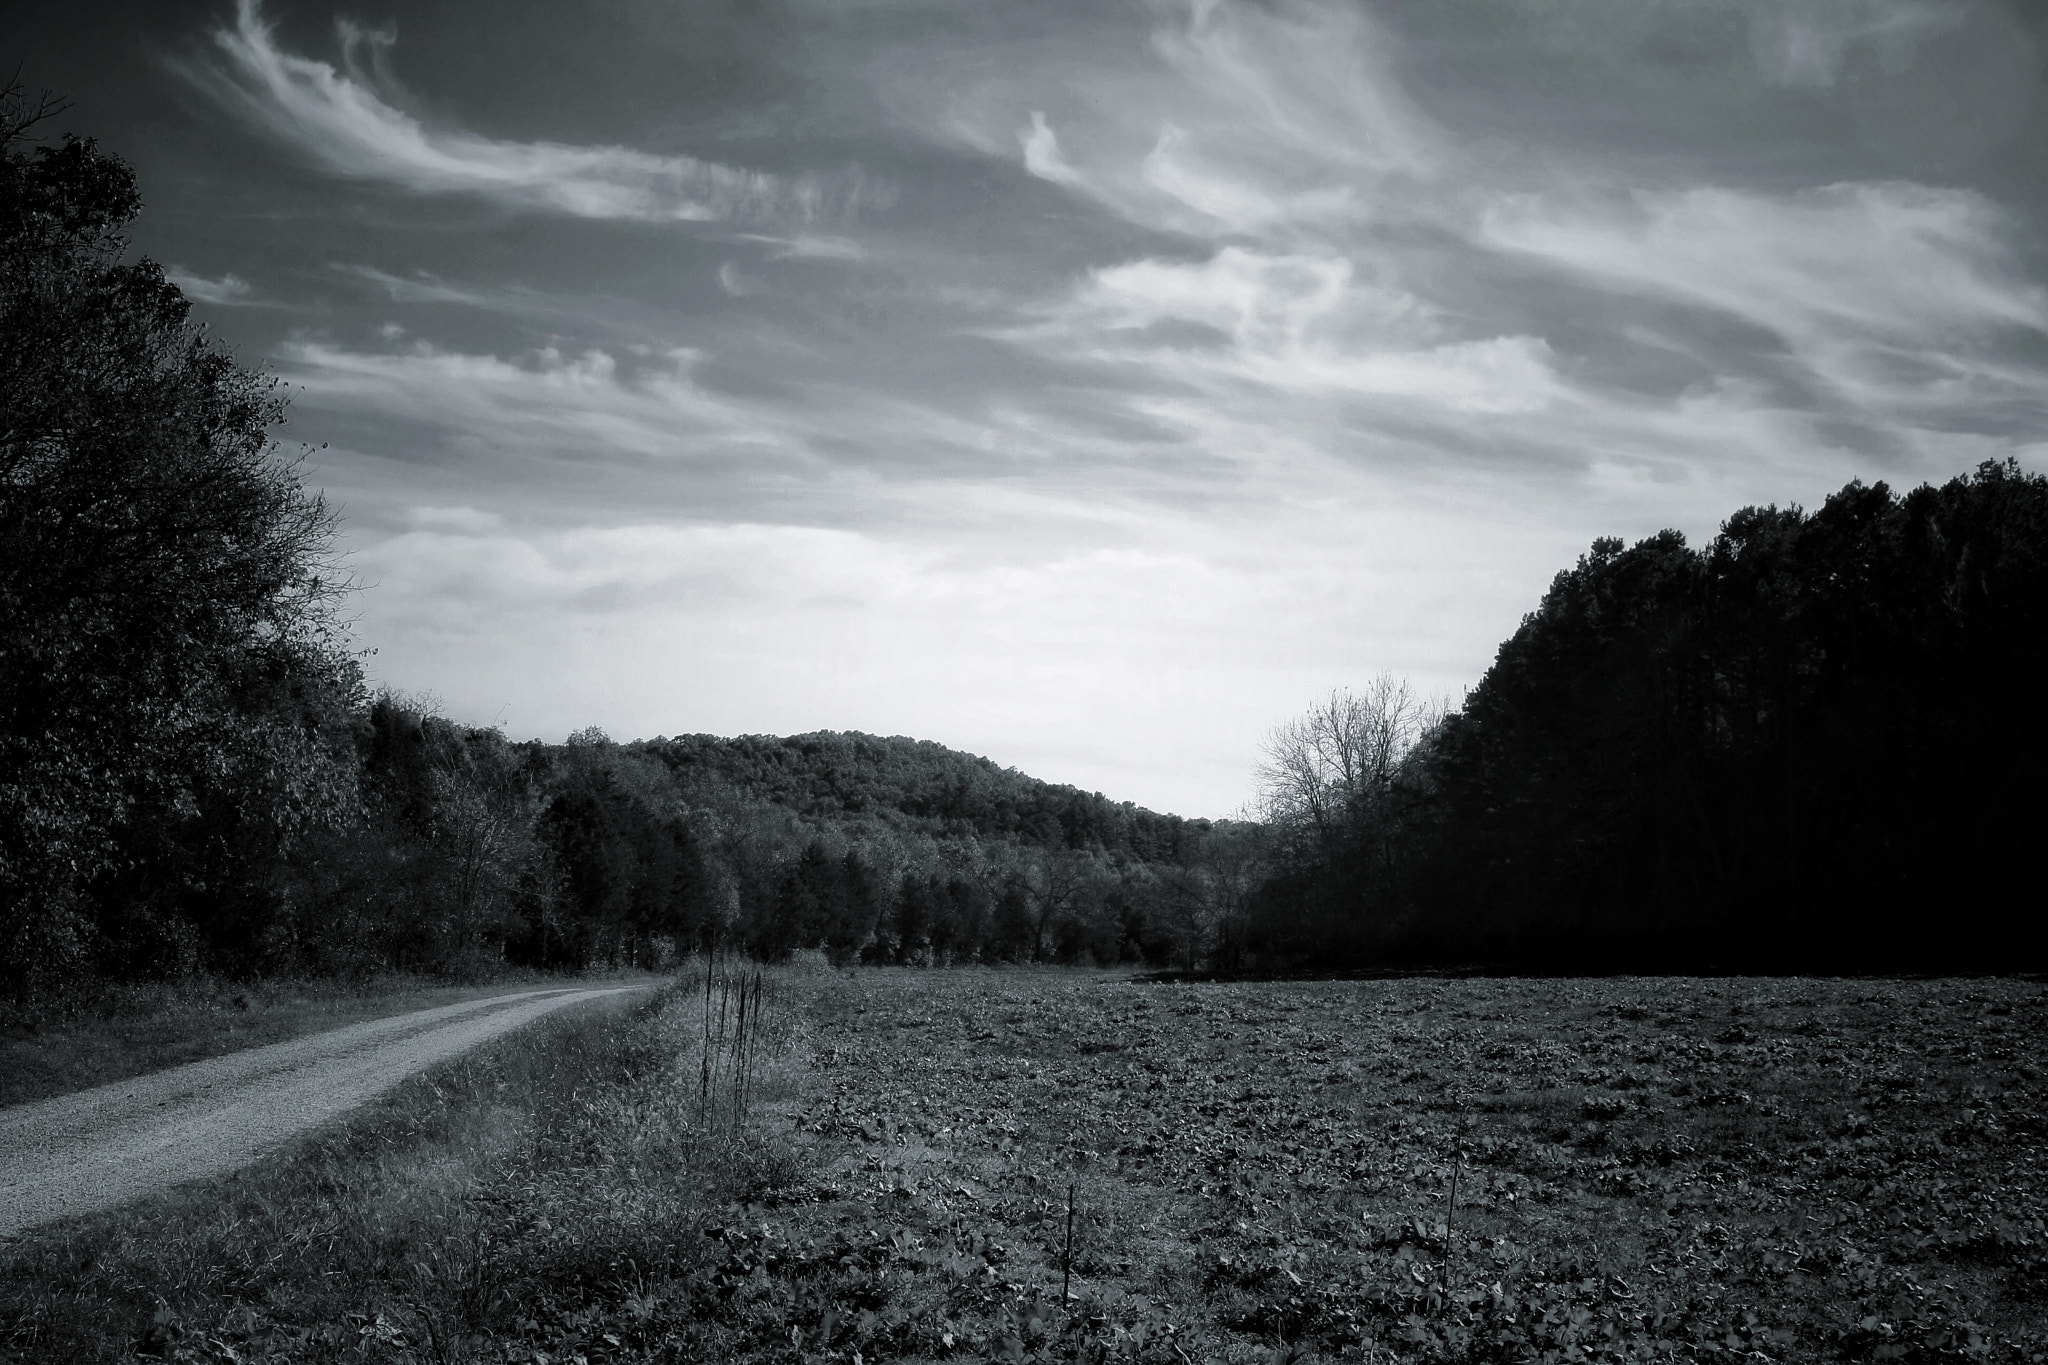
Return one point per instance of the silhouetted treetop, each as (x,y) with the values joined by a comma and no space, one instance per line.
(1809,743)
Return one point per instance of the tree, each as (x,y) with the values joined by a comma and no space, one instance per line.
(1056,882)
(176,690)
(1327,767)
(1805,745)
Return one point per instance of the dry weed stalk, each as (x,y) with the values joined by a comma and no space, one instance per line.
(735,1014)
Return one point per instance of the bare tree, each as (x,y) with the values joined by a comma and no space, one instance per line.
(1326,768)
(20,111)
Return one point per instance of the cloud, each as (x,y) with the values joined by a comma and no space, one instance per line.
(808,247)
(1379,283)
(419,288)
(1311,83)
(1231,117)
(230,289)
(1295,324)
(1042,152)
(342,120)
(1884,259)
(1809,42)
(609,431)
(1894,298)
(585,409)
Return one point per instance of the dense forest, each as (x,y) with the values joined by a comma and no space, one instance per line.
(1811,744)
(470,850)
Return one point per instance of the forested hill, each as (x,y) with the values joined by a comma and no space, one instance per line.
(872,849)
(921,785)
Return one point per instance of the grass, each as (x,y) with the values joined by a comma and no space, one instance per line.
(520,1194)
(1781,1170)
(114,1031)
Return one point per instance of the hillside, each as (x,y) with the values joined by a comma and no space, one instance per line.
(922,786)
(472,850)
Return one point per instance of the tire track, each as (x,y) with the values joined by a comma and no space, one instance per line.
(100,1148)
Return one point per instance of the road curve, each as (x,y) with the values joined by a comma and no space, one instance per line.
(98,1148)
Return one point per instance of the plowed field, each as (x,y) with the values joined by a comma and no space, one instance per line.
(1645,1170)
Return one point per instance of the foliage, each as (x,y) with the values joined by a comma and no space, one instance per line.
(174,687)
(473,853)
(1802,745)
(923,786)
(1333,768)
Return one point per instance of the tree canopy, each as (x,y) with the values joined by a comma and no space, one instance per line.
(172,674)
(1810,743)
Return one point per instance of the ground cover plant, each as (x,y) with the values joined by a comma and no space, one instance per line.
(1644,1170)
(1757,1169)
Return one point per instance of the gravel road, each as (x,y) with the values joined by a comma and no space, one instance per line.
(102,1147)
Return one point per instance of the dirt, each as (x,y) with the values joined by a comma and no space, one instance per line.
(1409,1169)
(103,1147)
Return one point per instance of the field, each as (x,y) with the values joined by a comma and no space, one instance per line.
(1781,1170)
(1761,1169)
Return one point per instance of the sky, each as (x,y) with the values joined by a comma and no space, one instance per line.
(1089,385)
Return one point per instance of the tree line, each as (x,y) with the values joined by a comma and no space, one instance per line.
(474,850)
(1811,743)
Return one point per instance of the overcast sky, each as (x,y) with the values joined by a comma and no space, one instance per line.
(1087,385)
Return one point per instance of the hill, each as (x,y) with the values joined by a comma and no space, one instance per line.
(918,785)
(471,849)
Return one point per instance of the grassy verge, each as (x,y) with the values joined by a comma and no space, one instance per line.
(522,1203)
(111,1032)
(1643,1170)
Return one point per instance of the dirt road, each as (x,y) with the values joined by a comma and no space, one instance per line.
(103,1147)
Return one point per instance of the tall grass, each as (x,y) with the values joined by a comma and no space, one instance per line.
(737,1017)
(493,1201)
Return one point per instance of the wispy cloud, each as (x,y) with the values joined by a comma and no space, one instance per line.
(1364,276)
(229,289)
(809,247)
(344,120)
(584,409)
(1898,300)
(1810,41)
(419,287)
(1042,152)
(605,431)
(1296,324)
